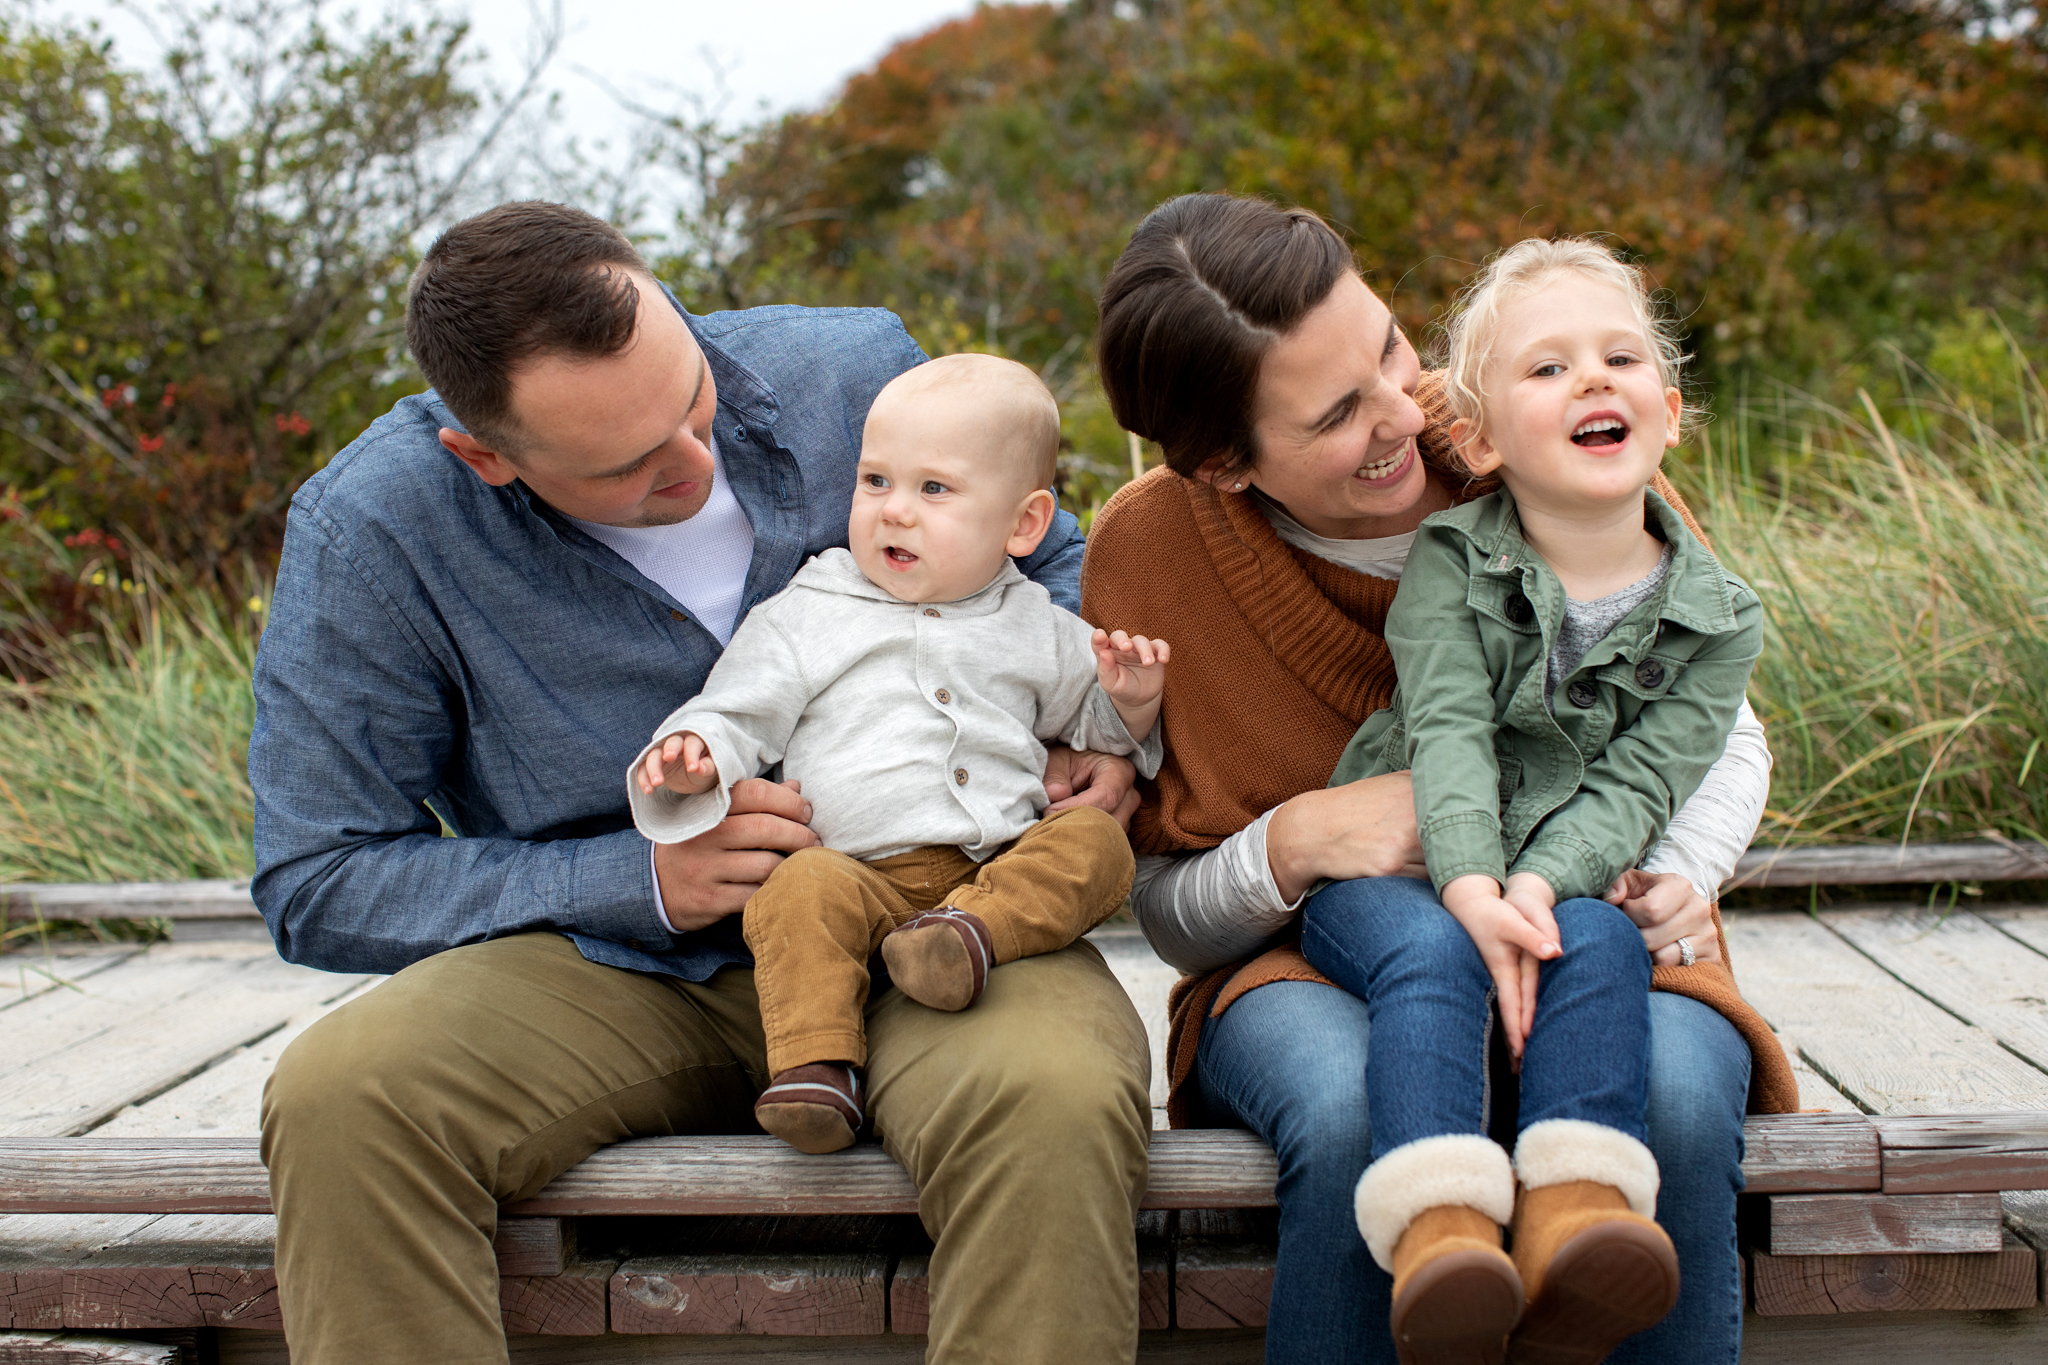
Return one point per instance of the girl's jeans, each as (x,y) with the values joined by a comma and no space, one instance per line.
(1289,1060)
(1428,1000)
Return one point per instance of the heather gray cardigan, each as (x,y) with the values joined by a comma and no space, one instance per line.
(909,724)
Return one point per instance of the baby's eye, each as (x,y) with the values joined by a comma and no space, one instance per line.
(932,488)
(875,481)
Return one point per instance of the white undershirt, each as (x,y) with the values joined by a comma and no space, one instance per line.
(702,562)
(1380,556)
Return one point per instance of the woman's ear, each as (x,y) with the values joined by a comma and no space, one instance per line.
(1674,412)
(1475,452)
(1211,472)
(1034,519)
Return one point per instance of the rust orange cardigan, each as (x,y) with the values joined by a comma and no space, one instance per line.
(1278,658)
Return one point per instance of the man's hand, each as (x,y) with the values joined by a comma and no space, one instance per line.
(1132,669)
(1082,777)
(1508,944)
(1361,829)
(1667,908)
(682,764)
(709,877)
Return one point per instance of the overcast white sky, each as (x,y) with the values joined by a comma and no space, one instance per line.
(788,53)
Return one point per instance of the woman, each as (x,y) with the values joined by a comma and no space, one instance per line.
(1240,337)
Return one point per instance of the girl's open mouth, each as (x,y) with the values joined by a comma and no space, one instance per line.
(1600,430)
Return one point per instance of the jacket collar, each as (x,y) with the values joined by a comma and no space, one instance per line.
(836,571)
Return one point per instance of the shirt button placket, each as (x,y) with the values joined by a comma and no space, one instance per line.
(945,697)
(959,777)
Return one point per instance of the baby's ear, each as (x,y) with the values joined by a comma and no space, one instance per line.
(1034,519)
(1473,450)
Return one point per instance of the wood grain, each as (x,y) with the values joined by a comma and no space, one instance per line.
(574,1303)
(1792,1285)
(73,1348)
(1965,965)
(222,899)
(817,1294)
(1849,865)
(2025,924)
(1877,1041)
(1790,1153)
(1932,1155)
(1154,1348)
(28,974)
(533,1246)
(1861,1224)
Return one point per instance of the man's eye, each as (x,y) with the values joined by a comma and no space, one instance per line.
(932,488)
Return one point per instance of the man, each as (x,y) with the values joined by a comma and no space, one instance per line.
(485,605)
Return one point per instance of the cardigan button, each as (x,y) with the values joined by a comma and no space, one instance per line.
(1519,610)
(931,611)
(1583,694)
(1650,673)
(959,777)
(943,695)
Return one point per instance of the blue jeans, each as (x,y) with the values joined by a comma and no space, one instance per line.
(1428,997)
(1288,1062)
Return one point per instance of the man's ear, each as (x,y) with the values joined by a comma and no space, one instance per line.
(1475,452)
(493,468)
(1034,519)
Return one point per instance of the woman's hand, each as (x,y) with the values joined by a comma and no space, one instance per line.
(1362,829)
(1667,908)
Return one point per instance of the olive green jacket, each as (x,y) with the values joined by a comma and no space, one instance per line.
(1502,784)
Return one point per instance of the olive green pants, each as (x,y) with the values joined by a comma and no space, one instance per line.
(394,1128)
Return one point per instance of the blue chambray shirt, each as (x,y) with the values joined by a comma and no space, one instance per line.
(437,646)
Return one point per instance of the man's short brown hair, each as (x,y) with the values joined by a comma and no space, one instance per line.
(515,282)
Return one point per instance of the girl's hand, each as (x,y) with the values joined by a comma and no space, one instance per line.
(1361,829)
(1131,668)
(1667,907)
(682,764)
(1508,944)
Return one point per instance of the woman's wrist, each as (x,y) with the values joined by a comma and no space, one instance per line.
(1286,847)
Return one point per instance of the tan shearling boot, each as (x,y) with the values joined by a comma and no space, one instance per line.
(1596,1266)
(1431,1214)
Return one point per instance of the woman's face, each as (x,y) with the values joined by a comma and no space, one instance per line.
(1335,421)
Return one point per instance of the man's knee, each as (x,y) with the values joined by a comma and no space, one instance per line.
(345,1073)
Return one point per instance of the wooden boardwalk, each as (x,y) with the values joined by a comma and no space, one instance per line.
(1886,1012)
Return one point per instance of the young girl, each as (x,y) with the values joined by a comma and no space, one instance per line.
(1571,659)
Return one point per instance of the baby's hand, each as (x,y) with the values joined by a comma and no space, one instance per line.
(1131,668)
(682,764)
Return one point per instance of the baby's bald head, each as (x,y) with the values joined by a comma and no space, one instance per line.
(994,409)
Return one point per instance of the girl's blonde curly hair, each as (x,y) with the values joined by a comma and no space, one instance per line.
(1473,326)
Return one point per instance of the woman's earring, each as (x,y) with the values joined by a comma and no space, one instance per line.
(1237,487)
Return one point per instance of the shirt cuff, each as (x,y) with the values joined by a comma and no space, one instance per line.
(661,923)
(611,892)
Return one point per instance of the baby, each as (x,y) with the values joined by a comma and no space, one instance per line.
(1571,659)
(911,684)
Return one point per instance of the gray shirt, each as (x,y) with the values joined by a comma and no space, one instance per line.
(910,724)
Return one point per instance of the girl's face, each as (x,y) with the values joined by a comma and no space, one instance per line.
(1577,416)
(1335,422)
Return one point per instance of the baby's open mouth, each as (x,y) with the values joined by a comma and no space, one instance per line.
(895,556)
(1596,432)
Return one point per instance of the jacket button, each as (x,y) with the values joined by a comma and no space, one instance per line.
(675,615)
(959,777)
(1519,611)
(634,944)
(931,611)
(1583,694)
(943,695)
(1650,673)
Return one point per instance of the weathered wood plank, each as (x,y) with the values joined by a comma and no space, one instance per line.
(1862,1224)
(1790,1153)
(1933,1155)
(74,1348)
(37,1250)
(1797,1285)
(75,1058)
(2027,924)
(2011,1337)
(1154,1348)
(573,1303)
(910,1292)
(1963,964)
(533,1246)
(1814,1091)
(1878,1042)
(222,899)
(1854,864)
(814,1294)
(27,974)
(225,1099)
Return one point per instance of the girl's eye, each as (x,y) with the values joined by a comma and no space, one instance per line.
(1547,369)
(1620,360)
(932,488)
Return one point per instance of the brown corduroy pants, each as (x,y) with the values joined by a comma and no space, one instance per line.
(819,919)
(394,1128)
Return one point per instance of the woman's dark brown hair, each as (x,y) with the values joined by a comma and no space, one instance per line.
(514,282)
(1208,283)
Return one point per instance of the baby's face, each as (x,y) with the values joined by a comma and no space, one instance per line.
(1576,408)
(936,507)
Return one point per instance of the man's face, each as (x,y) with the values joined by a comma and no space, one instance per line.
(622,440)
